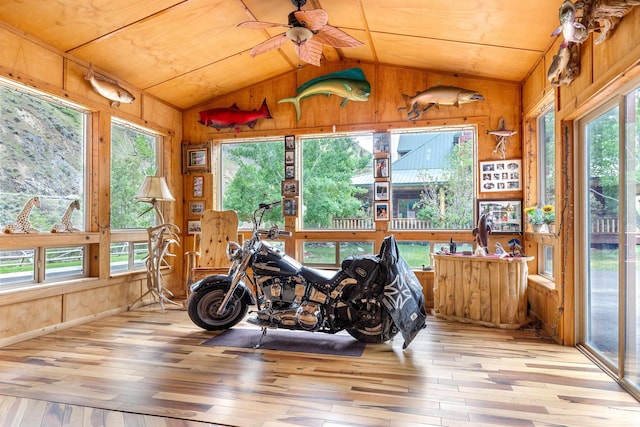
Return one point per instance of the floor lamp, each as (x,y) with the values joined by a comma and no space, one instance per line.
(154,189)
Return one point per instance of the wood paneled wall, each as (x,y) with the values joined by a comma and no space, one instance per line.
(45,307)
(604,68)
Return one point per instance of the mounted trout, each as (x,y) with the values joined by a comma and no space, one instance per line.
(349,84)
(109,89)
(234,117)
(437,96)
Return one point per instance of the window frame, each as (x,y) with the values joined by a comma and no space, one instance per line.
(545,256)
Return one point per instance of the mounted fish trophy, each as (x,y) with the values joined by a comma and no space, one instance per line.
(436,96)
(22,224)
(501,134)
(349,84)
(234,117)
(109,89)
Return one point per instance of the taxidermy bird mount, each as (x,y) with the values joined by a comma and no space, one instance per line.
(308,31)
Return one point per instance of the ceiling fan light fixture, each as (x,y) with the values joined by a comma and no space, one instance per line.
(299,35)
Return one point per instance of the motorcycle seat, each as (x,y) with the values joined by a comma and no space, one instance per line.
(316,275)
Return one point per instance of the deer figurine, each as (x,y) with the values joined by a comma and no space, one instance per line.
(22,224)
(65,225)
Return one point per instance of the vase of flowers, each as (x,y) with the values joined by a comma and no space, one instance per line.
(535,217)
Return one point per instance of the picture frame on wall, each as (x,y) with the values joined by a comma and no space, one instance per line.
(503,215)
(381,143)
(289,172)
(289,157)
(290,188)
(196,208)
(290,207)
(290,142)
(194,227)
(381,211)
(196,158)
(501,175)
(381,167)
(198,186)
(381,190)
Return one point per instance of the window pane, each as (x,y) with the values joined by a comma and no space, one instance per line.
(355,248)
(252,173)
(337,185)
(319,253)
(547,261)
(140,252)
(415,253)
(119,255)
(64,262)
(133,157)
(432,179)
(17,266)
(547,158)
(43,146)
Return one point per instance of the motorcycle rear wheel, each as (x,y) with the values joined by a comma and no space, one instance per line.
(203,309)
(374,330)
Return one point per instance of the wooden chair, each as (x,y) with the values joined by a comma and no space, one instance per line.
(210,252)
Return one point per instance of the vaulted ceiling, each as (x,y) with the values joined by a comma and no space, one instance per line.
(186,52)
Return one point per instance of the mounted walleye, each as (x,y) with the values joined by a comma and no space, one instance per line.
(109,89)
(371,297)
(234,117)
(349,84)
(436,96)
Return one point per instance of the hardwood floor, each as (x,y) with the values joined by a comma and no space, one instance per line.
(147,368)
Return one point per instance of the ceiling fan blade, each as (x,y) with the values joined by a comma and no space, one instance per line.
(334,37)
(313,19)
(310,52)
(259,25)
(273,43)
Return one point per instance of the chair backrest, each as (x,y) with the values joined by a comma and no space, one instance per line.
(217,229)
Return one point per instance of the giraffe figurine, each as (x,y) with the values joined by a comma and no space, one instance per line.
(65,225)
(22,224)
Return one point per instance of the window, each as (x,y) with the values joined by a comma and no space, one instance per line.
(43,141)
(432,179)
(252,173)
(547,176)
(332,253)
(134,155)
(337,182)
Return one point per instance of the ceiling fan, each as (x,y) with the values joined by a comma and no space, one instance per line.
(308,30)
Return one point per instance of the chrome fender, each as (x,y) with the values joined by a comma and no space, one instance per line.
(224,282)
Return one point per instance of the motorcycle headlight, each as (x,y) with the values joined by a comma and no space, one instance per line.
(234,251)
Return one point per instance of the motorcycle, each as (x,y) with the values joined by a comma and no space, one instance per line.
(372,297)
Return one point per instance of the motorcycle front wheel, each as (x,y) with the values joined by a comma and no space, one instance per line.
(203,309)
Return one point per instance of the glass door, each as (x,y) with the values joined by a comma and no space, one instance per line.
(609,237)
(601,232)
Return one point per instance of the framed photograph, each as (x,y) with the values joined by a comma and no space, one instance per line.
(503,216)
(289,157)
(381,190)
(198,186)
(289,172)
(290,188)
(196,158)
(381,167)
(196,208)
(290,142)
(501,175)
(194,227)
(381,211)
(381,143)
(290,207)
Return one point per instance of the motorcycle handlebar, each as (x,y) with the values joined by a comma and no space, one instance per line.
(274,233)
(269,205)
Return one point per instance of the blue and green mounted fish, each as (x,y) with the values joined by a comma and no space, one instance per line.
(349,84)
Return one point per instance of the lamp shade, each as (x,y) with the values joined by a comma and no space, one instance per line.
(154,188)
(299,35)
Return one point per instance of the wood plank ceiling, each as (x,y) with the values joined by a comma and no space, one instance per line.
(190,51)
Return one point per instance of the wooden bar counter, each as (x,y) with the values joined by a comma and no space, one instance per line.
(489,290)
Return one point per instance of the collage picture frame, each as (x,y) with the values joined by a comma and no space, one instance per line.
(503,215)
(501,175)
